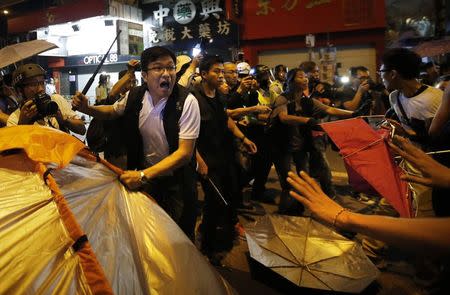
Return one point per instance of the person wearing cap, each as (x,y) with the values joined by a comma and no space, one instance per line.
(277,85)
(162,123)
(29,83)
(238,103)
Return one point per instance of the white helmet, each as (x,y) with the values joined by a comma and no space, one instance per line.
(243,68)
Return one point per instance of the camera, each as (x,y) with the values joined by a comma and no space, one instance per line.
(372,85)
(45,105)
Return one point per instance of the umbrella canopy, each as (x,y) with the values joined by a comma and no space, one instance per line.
(309,254)
(20,51)
(433,48)
(370,166)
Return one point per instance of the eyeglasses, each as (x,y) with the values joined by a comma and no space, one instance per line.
(231,72)
(34,84)
(159,70)
(381,71)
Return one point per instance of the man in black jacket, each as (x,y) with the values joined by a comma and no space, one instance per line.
(215,157)
(162,123)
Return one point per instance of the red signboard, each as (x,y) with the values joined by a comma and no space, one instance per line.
(263,19)
(74,10)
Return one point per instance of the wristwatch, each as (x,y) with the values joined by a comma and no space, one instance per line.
(143,179)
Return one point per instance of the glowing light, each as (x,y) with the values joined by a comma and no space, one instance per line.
(345,79)
(5,11)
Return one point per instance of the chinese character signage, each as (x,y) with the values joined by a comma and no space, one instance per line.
(181,24)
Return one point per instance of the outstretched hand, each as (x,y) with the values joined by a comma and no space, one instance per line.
(433,173)
(309,193)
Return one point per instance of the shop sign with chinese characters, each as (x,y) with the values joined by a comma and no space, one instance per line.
(184,22)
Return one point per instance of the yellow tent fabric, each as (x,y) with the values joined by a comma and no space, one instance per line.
(41,144)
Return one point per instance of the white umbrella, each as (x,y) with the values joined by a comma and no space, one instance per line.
(20,51)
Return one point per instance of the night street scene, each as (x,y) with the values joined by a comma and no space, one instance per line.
(225,147)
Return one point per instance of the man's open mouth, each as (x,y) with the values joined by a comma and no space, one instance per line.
(165,85)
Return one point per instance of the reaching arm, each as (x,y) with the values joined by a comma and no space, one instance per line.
(239,112)
(181,157)
(102,112)
(291,119)
(355,102)
(421,235)
(250,146)
(332,111)
(124,84)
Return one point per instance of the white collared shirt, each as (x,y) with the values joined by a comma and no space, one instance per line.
(151,125)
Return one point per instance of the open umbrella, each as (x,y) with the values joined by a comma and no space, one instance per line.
(17,52)
(370,166)
(309,254)
(433,48)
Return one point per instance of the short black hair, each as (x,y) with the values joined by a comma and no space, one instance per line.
(208,61)
(279,68)
(307,66)
(153,53)
(404,61)
(102,79)
(290,82)
(354,70)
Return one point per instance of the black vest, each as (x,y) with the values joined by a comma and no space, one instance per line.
(171,115)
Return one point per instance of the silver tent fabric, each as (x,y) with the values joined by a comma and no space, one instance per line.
(36,255)
(141,249)
(309,254)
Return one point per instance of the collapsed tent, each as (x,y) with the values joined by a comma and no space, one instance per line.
(68,226)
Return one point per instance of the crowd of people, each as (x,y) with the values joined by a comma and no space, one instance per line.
(227,123)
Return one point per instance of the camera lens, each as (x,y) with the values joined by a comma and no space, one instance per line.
(45,105)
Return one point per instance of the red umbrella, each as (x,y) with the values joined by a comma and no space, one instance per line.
(370,165)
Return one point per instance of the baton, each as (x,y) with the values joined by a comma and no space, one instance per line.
(217,190)
(91,80)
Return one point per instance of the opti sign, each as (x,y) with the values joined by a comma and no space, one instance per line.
(96,59)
